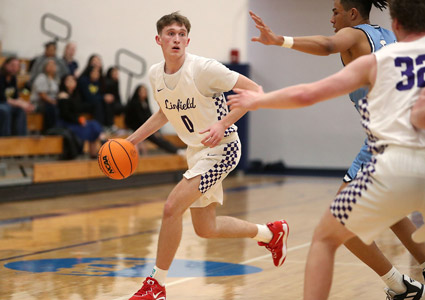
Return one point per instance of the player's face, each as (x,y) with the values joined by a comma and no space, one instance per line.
(173,39)
(340,18)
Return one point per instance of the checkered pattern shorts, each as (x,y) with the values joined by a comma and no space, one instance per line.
(222,111)
(213,165)
(389,187)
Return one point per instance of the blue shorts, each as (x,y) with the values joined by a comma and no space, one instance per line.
(361,159)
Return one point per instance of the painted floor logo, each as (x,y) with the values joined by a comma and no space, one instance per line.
(129,267)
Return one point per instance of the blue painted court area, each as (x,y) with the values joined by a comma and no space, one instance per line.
(129,267)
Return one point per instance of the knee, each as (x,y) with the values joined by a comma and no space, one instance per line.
(205,232)
(327,236)
(168,211)
(171,210)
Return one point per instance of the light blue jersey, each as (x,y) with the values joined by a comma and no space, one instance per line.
(378,37)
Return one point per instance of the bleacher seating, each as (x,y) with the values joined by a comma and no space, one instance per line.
(30,146)
(34,122)
(89,169)
(37,156)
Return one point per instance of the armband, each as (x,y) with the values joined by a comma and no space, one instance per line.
(288,42)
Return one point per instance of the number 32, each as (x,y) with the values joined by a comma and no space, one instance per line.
(409,72)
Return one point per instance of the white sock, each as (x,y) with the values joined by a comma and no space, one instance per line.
(264,234)
(159,275)
(394,280)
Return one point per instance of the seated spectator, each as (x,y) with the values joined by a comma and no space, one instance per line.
(71,108)
(137,112)
(13,118)
(91,88)
(94,61)
(68,58)
(39,62)
(44,93)
(112,87)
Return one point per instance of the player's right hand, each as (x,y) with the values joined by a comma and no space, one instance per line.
(267,36)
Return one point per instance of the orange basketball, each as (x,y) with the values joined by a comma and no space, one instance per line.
(118,158)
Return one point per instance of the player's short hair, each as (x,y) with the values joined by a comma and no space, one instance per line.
(364,6)
(409,13)
(172,18)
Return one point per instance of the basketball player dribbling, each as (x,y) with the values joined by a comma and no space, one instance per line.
(189,91)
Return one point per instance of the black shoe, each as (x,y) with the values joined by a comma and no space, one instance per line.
(414,290)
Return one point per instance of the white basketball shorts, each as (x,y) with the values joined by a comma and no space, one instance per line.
(389,187)
(213,165)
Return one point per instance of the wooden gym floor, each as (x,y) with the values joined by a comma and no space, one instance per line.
(101,245)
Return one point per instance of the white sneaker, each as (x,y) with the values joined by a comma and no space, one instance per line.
(414,290)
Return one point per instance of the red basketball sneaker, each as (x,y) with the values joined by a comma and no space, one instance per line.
(277,245)
(151,290)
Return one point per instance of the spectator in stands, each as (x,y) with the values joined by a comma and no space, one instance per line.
(13,119)
(112,87)
(71,115)
(94,61)
(39,62)
(91,87)
(137,112)
(44,92)
(68,58)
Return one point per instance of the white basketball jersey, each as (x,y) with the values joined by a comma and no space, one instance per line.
(386,110)
(185,107)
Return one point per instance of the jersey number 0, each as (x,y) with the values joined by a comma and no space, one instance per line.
(188,123)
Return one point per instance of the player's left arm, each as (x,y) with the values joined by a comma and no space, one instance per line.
(361,72)
(216,131)
(417,116)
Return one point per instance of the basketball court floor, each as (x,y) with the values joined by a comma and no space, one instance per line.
(100,246)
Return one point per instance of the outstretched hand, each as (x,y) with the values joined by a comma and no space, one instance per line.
(244,99)
(267,36)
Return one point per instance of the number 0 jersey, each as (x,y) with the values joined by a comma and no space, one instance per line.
(399,79)
(197,101)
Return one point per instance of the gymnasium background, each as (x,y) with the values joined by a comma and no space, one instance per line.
(326,136)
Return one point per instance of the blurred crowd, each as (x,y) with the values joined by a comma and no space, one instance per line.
(83,102)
